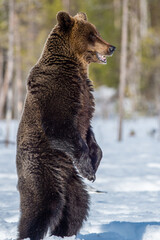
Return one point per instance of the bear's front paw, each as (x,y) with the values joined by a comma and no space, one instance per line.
(96,155)
(83,162)
(85,169)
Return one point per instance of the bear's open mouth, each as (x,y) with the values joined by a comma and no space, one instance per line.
(101,58)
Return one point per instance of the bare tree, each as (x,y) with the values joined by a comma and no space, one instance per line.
(117,13)
(66,5)
(134,63)
(157,97)
(1,67)
(9,71)
(9,68)
(18,88)
(3,92)
(123,60)
(144,22)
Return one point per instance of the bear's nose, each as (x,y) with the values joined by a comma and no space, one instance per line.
(111,49)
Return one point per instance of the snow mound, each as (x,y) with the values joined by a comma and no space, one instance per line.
(152,233)
(125,231)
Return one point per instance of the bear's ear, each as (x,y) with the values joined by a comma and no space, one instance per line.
(82,15)
(65,20)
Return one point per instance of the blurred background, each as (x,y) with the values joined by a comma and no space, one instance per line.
(127,87)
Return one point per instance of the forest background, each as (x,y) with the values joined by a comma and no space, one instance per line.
(25,25)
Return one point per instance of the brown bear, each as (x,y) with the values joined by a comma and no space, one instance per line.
(55,141)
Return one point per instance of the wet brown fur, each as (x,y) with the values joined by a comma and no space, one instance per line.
(55,135)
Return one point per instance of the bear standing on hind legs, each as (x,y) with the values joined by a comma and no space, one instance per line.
(55,141)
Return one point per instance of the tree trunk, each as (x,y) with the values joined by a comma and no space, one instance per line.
(117,7)
(9,67)
(123,60)
(30,34)
(9,73)
(157,98)
(134,63)
(3,92)
(143,18)
(1,68)
(18,88)
(66,5)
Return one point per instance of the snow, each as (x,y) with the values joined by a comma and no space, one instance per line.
(125,198)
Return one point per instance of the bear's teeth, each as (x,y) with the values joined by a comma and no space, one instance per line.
(102,58)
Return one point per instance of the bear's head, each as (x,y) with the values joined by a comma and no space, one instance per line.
(84,40)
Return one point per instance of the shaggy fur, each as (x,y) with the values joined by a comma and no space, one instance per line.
(55,140)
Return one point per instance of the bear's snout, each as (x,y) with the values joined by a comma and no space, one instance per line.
(111,49)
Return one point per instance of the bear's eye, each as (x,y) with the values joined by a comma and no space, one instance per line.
(92,37)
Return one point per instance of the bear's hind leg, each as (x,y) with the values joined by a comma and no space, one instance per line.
(34,225)
(39,209)
(75,210)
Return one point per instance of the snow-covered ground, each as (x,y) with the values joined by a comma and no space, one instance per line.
(125,198)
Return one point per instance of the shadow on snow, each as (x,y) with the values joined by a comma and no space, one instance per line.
(121,231)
